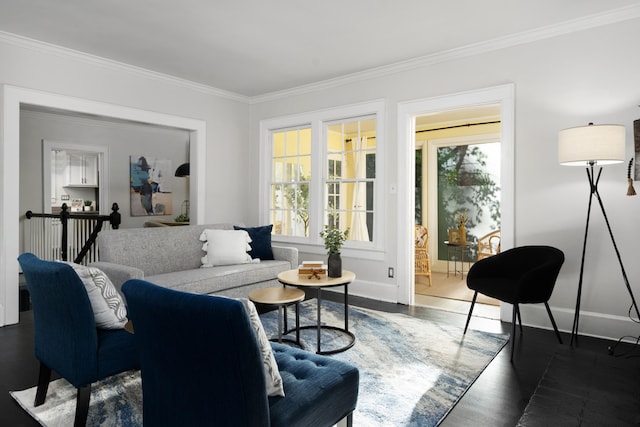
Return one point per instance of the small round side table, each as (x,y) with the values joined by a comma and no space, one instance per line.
(281,297)
(293,279)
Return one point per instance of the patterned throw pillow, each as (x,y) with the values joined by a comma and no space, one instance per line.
(271,372)
(108,307)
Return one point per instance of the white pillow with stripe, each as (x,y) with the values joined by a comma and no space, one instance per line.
(272,376)
(108,307)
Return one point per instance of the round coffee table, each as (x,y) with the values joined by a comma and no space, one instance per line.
(292,278)
(281,297)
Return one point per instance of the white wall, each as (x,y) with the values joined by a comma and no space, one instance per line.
(111,86)
(564,81)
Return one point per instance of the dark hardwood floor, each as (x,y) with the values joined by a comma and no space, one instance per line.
(497,398)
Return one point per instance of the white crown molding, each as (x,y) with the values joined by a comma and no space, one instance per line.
(572,26)
(44,47)
(575,25)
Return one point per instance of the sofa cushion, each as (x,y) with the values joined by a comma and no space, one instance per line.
(212,280)
(260,241)
(225,247)
(313,384)
(155,250)
(108,307)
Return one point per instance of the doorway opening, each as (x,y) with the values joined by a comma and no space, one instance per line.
(75,174)
(457,200)
(408,112)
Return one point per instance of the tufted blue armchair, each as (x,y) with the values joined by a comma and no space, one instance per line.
(65,333)
(202,366)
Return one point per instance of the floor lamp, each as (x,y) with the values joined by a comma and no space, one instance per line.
(591,145)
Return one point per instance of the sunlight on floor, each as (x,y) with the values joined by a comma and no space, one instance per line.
(456,306)
(450,293)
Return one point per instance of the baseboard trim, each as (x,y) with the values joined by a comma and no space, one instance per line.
(591,324)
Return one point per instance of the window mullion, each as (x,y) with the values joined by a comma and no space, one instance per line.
(317,194)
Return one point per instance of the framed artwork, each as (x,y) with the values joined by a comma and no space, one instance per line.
(454,236)
(150,180)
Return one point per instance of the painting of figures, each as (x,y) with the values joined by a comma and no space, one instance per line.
(150,186)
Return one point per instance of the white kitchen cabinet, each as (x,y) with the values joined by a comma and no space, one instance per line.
(82,169)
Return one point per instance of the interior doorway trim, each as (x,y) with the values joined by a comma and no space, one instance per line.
(407,113)
(12,98)
(102,152)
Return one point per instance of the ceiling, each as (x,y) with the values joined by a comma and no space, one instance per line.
(256,47)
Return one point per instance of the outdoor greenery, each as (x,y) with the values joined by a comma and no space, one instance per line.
(297,196)
(464,184)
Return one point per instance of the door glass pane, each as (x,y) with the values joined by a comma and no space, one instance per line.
(468,181)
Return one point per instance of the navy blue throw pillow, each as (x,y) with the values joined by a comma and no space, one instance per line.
(260,241)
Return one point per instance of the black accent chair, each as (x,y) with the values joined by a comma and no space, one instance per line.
(522,275)
(65,333)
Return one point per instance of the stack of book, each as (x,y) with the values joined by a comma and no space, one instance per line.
(314,268)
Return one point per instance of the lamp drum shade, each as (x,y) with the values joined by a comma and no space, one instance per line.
(603,144)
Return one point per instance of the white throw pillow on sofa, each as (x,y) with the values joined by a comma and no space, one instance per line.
(108,307)
(225,247)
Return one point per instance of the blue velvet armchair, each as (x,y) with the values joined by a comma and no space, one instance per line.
(67,340)
(202,366)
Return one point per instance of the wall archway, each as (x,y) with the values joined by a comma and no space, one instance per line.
(12,99)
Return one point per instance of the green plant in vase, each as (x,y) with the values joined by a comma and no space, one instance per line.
(334,238)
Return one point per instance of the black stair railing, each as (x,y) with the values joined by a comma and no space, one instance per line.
(114,218)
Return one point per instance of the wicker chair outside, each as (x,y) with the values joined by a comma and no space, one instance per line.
(489,245)
(423,263)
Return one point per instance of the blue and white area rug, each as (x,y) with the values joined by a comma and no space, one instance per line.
(412,371)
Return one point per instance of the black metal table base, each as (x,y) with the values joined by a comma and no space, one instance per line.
(319,326)
(349,334)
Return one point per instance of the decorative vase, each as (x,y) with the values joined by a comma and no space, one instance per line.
(334,265)
(463,234)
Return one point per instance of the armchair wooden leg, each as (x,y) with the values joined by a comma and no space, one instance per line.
(82,406)
(553,322)
(519,317)
(350,420)
(473,302)
(43,384)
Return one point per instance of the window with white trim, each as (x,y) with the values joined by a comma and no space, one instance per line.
(351,152)
(322,169)
(291,166)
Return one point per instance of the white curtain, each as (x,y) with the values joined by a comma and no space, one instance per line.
(359,230)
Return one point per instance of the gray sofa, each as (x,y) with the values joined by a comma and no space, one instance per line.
(171,257)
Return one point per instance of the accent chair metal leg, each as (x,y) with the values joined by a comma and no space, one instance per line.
(473,302)
(82,406)
(43,384)
(350,420)
(519,317)
(553,322)
(513,329)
